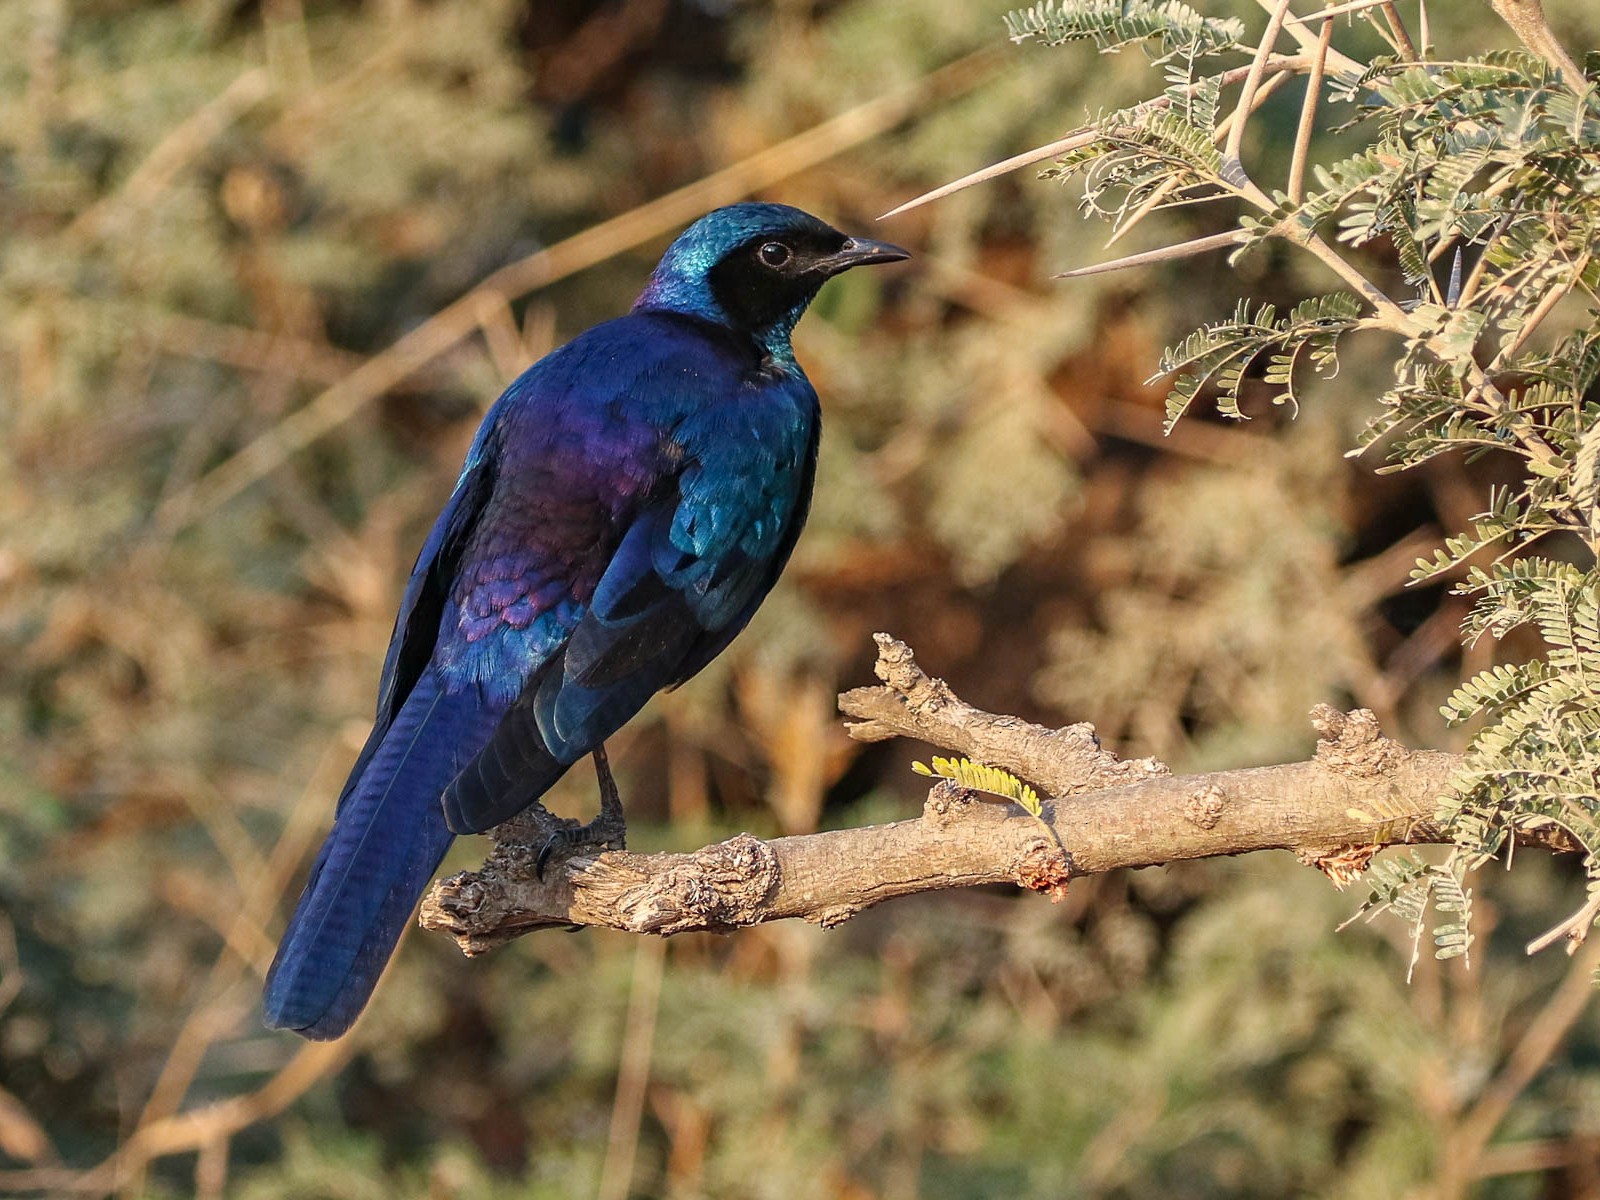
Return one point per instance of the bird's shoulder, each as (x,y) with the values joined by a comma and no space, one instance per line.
(650,364)
(645,397)
(634,356)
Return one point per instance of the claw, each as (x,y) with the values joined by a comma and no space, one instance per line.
(609,829)
(543,860)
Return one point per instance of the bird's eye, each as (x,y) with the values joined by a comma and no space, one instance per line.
(775,254)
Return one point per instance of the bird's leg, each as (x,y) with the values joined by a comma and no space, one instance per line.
(611,824)
(610,828)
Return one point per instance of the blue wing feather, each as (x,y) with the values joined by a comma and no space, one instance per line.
(416,626)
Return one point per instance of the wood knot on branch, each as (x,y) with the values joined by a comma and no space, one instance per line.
(1044,866)
(472,908)
(1204,806)
(718,888)
(1351,743)
(945,803)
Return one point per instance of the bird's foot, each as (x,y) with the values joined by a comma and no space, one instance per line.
(609,830)
(598,833)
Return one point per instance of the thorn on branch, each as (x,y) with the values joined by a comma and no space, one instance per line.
(1234,149)
(1202,245)
(1333,10)
(1083,137)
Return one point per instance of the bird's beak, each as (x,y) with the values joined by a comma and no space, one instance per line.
(858,252)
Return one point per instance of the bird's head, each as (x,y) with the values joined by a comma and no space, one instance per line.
(755,268)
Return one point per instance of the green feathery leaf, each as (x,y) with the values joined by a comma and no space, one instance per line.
(981,778)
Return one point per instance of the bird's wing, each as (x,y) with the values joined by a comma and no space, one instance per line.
(388,836)
(685,578)
(416,627)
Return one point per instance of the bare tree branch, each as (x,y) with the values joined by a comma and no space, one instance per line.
(910,703)
(1359,793)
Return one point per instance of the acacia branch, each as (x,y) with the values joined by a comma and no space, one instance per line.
(1359,793)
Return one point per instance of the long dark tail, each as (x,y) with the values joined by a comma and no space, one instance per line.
(387,841)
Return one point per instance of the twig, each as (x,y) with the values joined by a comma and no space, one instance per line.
(1166,188)
(211,1168)
(1388,314)
(1334,10)
(1341,63)
(11,977)
(1542,1039)
(1543,309)
(1247,94)
(1448,242)
(1527,21)
(1575,929)
(1474,279)
(189,1132)
(22,1137)
(1499,404)
(210,1019)
(1397,27)
(1308,114)
(1151,202)
(169,155)
(501,336)
(1540,1155)
(910,703)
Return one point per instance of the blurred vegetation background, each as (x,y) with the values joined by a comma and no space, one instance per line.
(237,376)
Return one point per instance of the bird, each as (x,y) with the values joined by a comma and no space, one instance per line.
(624,508)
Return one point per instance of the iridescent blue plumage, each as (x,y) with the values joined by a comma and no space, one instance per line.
(624,508)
